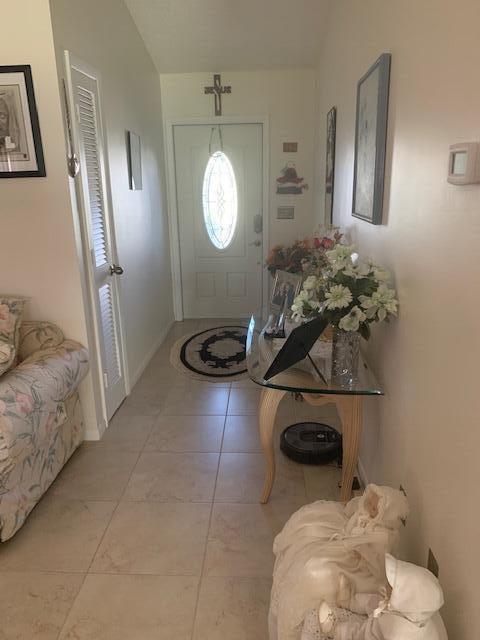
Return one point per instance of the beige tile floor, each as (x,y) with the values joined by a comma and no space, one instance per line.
(156,531)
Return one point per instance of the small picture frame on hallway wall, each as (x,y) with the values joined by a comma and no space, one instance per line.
(330,163)
(21,151)
(370,141)
(134,155)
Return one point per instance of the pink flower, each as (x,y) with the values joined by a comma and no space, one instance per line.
(327,243)
(24,402)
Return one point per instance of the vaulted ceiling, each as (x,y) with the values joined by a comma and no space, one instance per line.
(209,35)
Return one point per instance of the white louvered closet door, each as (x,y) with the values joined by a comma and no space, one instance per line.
(93,183)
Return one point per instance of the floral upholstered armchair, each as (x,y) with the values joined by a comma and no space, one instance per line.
(41,421)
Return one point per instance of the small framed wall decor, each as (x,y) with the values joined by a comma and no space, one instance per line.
(134,153)
(370,141)
(21,151)
(330,163)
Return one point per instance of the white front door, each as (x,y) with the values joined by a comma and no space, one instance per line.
(98,232)
(220,217)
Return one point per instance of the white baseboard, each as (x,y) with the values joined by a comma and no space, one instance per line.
(95,434)
(362,473)
(92,435)
(136,376)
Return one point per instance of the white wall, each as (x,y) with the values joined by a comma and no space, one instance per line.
(104,35)
(287,98)
(38,256)
(427,435)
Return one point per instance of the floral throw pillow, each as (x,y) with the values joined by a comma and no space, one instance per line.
(11,310)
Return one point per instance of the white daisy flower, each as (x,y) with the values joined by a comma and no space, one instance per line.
(338,297)
(351,322)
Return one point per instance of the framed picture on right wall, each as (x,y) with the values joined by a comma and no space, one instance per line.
(330,163)
(370,141)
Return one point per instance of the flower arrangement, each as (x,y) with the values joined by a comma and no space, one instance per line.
(304,256)
(289,258)
(350,292)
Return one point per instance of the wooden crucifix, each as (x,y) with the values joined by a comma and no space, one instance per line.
(217,91)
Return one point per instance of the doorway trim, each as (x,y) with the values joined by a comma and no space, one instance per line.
(172,207)
(83,251)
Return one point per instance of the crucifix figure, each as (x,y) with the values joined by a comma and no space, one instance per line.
(217,90)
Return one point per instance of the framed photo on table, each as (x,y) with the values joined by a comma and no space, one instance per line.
(285,288)
(21,151)
(370,141)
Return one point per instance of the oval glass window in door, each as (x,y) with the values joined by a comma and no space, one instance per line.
(219,199)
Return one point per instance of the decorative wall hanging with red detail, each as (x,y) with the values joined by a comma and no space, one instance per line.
(289,183)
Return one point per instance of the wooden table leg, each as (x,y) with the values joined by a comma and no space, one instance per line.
(269,401)
(351,413)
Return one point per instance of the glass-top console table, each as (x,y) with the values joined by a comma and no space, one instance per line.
(304,379)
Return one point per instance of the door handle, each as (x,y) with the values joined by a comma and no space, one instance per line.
(115,269)
(257,243)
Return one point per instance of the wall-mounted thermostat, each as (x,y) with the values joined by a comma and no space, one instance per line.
(464,163)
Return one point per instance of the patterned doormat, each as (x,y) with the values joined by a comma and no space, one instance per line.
(216,355)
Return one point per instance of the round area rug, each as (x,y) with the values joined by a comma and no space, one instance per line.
(215,355)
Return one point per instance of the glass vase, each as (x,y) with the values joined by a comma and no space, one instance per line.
(345,352)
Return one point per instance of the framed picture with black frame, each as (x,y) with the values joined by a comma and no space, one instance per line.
(21,151)
(134,156)
(370,141)
(330,163)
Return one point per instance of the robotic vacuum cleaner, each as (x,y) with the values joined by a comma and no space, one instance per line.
(311,443)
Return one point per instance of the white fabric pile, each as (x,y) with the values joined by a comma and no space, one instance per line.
(334,577)
(408,611)
(325,539)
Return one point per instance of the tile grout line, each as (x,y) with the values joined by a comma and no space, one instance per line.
(202,568)
(87,572)
(212,503)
